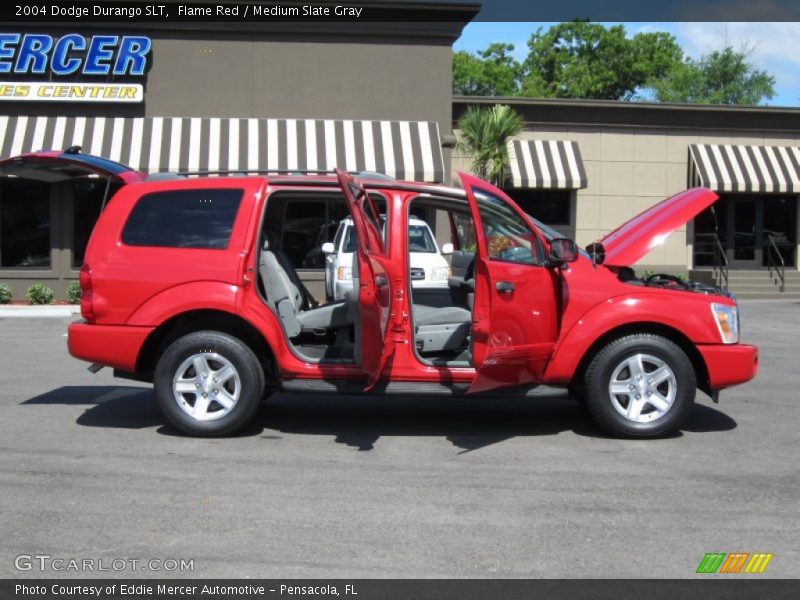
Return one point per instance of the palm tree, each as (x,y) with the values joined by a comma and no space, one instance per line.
(483,133)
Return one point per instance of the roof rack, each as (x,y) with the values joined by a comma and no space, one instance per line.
(361,174)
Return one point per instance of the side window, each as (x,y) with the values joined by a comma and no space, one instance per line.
(337,241)
(508,237)
(183,219)
(420,239)
(465,232)
(350,240)
(307,224)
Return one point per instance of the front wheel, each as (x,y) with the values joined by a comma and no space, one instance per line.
(640,385)
(209,383)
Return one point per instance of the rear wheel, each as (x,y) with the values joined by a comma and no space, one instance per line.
(209,383)
(640,385)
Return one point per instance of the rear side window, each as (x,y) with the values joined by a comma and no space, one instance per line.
(183,219)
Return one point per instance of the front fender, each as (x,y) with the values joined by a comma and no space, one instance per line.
(197,295)
(691,317)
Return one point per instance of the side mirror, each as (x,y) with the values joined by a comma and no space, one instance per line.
(447,248)
(563,251)
(327,248)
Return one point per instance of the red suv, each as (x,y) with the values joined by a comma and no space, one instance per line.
(188,283)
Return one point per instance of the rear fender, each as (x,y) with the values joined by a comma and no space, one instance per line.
(187,297)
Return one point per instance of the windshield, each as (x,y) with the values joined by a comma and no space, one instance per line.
(350,240)
(420,239)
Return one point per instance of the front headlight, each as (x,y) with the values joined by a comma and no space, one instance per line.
(440,273)
(727,319)
(344,273)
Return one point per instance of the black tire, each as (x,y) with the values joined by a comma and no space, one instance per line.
(605,408)
(217,350)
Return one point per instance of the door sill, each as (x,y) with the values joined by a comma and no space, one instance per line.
(410,388)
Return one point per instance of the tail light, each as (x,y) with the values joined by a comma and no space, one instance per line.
(87,299)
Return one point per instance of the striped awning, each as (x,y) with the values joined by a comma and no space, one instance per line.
(552,164)
(409,150)
(732,168)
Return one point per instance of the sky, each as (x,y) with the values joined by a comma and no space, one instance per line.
(775,46)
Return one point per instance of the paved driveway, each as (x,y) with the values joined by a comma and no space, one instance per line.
(361,487)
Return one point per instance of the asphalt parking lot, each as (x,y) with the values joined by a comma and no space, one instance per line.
(372,487)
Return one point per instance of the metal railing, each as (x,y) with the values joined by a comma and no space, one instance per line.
(720,259)
(775,261)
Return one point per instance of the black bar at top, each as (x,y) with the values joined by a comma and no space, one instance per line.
(439,11)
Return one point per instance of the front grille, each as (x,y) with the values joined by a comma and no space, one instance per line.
(417,273)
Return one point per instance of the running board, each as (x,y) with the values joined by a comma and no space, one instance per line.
(409,388)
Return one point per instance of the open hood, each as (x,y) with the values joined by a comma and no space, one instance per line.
(632,240)
(56,166)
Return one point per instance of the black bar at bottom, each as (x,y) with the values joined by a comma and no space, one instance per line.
(713,588)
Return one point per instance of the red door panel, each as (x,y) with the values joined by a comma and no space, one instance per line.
(515,310)
(374,290)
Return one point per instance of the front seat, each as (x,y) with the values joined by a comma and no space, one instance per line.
(441,328)
(291,301)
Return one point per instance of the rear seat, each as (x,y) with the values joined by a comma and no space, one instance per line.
(288,300)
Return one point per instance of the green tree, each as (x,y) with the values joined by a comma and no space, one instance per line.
(721,77)
(483,133)
(588,60)
(493,72)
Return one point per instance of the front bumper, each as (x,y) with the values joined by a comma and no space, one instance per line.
(729,365)
(115,346)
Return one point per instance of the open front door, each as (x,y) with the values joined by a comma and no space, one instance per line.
(515,309)
(372,282)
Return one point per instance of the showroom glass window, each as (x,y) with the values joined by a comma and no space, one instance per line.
(88,195)
(309,223)
(551,207)
(25,224)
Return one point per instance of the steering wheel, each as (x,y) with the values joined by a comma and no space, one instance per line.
(521,254)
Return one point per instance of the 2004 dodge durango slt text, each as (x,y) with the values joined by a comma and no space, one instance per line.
(186,283)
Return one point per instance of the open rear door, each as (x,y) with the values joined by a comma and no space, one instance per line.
(373,346)
(515,313)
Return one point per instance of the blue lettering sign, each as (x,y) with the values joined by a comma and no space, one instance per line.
(132,55)
(62,63)
(40,54)
(32,55)
(99,55)
(7,43)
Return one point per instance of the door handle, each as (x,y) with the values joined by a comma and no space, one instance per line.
(505,287)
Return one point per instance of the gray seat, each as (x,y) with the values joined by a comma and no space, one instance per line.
(287,300)
(440,329)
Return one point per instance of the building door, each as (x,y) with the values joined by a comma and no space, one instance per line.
(745,226)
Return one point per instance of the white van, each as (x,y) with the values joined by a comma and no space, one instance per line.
(429,268)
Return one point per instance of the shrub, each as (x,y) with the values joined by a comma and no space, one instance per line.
(5,293)
(74,292)
(39,293)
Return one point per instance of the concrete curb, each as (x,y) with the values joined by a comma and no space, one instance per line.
(28,312)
